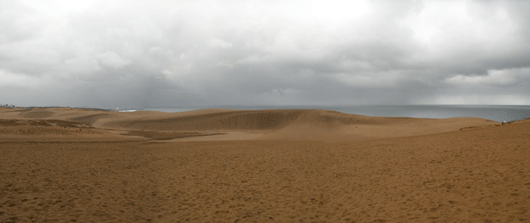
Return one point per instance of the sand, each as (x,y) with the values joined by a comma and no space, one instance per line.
(80,165)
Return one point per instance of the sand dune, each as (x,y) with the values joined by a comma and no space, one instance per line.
(293,124)
(284,124)
(81,165)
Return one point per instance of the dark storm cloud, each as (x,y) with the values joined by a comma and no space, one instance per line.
(184,53)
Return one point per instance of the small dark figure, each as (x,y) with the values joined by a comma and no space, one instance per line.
(503,122)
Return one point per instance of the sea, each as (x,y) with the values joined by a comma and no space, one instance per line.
(497,113)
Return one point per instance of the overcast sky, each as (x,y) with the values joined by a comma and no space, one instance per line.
(249,52)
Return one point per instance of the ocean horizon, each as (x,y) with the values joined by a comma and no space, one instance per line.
(497,113)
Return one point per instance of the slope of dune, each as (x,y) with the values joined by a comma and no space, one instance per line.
(297,124)
(226,120)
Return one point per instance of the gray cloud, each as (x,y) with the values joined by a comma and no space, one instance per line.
(185,53)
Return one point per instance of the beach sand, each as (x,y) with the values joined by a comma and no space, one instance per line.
(81,165)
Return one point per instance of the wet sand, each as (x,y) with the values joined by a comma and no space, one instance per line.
(78,165)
